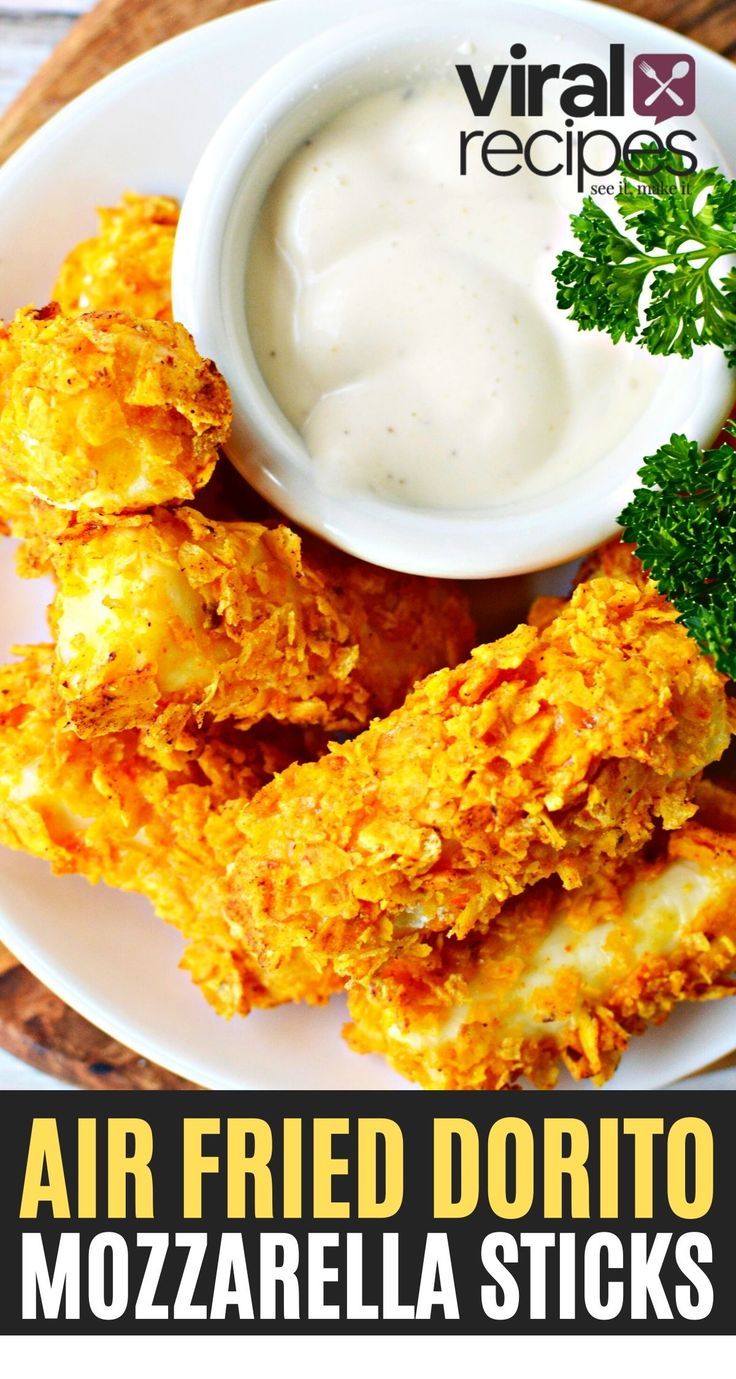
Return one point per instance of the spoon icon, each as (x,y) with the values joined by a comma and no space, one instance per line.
(679,70)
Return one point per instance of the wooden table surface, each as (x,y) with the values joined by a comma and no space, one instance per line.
(74,44)
(29,32)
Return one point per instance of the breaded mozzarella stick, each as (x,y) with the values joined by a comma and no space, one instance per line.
(546,753)
(127,265)
(167,618)
(157,822)
(560,978)
(102,414)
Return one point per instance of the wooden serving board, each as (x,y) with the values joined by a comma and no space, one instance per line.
(34,1024)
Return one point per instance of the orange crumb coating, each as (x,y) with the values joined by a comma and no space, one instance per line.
(127,265)
(547,752)
(171,616)
(157,822)
(102,414)
(544,610)
(560,978)
(615,560)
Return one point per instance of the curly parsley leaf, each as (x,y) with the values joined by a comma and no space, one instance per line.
(683,523)
(678,226)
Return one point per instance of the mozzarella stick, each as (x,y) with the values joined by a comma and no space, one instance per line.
(102,414)
(156,822)
(560,979)
(127,265)
(547,753)
(170,617)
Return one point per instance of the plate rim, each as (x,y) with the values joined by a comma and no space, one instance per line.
(118,84)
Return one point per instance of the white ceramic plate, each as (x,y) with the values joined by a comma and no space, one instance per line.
(104,952)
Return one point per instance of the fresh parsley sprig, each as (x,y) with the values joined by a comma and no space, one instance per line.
(683,522)
(676,232)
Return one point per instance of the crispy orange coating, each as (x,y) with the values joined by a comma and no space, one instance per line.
(547,752)
(102,414)
(544,610)
(127,266)
(615,559)
(169,615)
(158,822)
(560,978)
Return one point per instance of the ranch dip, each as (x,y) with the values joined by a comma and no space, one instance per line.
(404,316)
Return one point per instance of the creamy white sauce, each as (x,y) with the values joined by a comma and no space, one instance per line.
(404,316)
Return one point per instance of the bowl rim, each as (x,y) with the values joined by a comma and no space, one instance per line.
(221,207)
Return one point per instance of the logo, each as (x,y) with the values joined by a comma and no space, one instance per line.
(664,85)
(580,102)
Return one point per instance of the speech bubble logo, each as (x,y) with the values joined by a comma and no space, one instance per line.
(664,85)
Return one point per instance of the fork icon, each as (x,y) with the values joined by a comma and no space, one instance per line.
(679,70)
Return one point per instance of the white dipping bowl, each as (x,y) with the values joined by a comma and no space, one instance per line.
(287,105)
